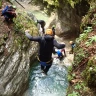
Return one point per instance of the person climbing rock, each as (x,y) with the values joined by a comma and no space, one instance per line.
(9,13)
(61,53)
(42,24)
(46,43)
(72,47)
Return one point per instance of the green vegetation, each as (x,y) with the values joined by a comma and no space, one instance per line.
(78,89)
(1,42)
(80,56)
(84,35)
(74,94)
(85,57)
(89,72)
(0,3)
(90,41)
(88,29)
(71,77)
(22,23)
(57,3)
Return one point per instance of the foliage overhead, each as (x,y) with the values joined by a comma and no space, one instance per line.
(57,3)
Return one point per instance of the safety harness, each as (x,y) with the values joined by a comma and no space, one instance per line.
(41,62)
(44,63)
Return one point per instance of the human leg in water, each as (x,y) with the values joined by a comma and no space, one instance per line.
(42,67)
(45,69)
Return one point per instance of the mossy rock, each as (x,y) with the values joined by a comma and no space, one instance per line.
(24,22)
(5,37)
(21,23)
(2,41)
(79,55)
(90,72)
(0,3)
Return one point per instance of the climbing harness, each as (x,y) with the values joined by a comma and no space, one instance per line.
(42,61)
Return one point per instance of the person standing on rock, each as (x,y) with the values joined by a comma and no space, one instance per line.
(72,47)
(42,24)
(47,44)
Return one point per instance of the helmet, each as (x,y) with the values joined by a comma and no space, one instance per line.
(14,7)
(49,32)
(71,42)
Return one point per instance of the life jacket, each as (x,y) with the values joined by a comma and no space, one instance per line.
(5,9)
(59,53)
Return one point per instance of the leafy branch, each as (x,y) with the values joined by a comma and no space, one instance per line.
(90,40)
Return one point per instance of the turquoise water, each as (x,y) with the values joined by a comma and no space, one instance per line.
(54,84)
(40,15)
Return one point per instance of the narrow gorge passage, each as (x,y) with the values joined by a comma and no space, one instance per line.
(55,83)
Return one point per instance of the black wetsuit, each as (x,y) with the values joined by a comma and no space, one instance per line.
(46,43)
(42,23)
(53,29)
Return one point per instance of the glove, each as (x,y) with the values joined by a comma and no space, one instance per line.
(27,31)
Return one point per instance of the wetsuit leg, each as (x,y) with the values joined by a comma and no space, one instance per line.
(42,67)
(47,68)
(43,30)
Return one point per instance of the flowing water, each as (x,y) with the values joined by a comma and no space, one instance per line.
(40,15)
(53,84)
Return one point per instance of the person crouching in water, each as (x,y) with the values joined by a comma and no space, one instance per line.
(9,13)
(46,43)
(61,53)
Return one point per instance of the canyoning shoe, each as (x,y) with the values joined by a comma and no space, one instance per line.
(44,72)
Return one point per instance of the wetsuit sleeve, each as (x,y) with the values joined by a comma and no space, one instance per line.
(40,21)
(32,38)
(59,46)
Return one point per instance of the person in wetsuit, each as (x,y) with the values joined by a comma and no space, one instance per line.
(42,24)
(47,44)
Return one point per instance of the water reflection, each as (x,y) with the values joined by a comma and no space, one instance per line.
(54,84)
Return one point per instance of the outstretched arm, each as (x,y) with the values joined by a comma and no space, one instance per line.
(32,38)
(57,45)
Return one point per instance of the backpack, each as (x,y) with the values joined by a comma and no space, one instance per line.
(5,9)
